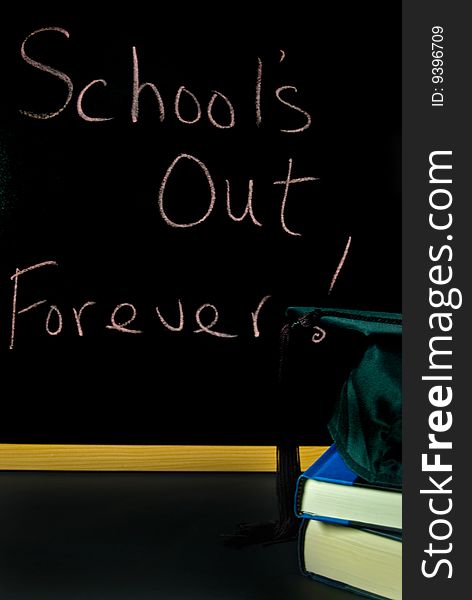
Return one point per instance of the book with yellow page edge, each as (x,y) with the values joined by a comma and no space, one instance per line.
(367,562)
(330,491)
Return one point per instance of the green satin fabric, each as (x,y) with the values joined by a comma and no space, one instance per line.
(366,422)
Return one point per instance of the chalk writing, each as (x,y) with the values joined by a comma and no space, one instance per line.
(278,93)
(38,65)
(287,183)
(268,105)
(206,315)
(340,265)
(166,324)
(208,328)
(248,210)
(255,316)
(53,310)
(198,110)
(123,326)
(14,278)
(138,87)
(78,316)
(230,107)
(80,98)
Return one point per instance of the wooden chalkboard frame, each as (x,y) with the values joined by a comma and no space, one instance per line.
(203,458)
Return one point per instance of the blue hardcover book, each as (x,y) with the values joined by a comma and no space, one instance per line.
(363,561)
(330,491)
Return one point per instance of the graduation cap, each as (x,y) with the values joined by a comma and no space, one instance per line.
(341,369)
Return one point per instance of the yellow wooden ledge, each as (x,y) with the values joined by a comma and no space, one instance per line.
(68,457)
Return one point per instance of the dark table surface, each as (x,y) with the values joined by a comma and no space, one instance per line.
(135,536)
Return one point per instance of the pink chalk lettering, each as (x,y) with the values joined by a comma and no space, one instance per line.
(166,324)
(162,189)
(258,92)
(31,306)
(248,210)
(319,334)
(180,91)
(287,183)
(15,312)
(340,265)
(138,88)
(212,120)
(53,310)
(278,93)
(123,327)
(208,328)
(78,316)
(255,316)
(47,69)
(80,98)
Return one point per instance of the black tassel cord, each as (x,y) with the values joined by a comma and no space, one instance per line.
(286,528)
(288,471)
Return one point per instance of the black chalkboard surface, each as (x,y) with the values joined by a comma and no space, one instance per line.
(151,236)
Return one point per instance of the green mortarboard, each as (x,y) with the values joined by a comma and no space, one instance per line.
(366,401)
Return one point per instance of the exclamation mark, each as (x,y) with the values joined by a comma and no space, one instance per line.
(340,265)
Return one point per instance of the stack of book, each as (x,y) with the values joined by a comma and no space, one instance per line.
(351,531)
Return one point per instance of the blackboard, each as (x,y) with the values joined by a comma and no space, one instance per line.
(162,305)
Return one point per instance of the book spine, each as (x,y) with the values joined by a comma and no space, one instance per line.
(342,586)
(386,531)
(320,578)
(299,495)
